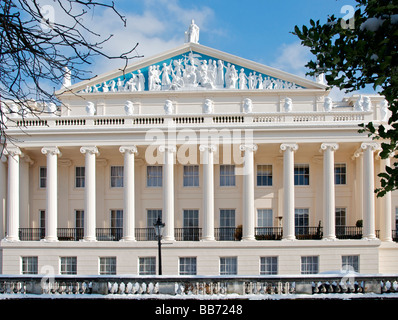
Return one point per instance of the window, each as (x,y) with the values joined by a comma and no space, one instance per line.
(269,265)
(396,219)
(68,265)
(29,265)
(301,175)
(264,218)
(350,263)
(191,224)
(43,177)
(264,175)
(227,175)
(42,223)
(228,265)
(188,266)
(191,176)
(117,224)
(340,173)
(309,265)
(340,221)
(80,173)
(107,265)
(227,224)
(154,176)
(79,223)
(301,218)
(152,217)
(147,266)
(116,218)
(117,176)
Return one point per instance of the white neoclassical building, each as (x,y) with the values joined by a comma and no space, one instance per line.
(251,169)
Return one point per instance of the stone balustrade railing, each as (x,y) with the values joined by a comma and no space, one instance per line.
(187,119)
(199,285)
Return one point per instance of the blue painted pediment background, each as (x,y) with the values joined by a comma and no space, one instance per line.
(192,71)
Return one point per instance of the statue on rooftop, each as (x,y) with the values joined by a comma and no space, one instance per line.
(192,34)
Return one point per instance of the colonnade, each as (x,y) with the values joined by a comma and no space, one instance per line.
(288,149)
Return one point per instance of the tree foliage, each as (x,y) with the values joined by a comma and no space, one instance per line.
(38,41)
(358,52)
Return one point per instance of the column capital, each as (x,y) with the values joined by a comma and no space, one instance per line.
(170,149)
(12,151)
(90,150)
(128,149)
(291,146)
(208,147)
(373,146)
(248,147)
(50,150)
(329,145)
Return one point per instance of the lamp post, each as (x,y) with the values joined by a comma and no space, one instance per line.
(159,231)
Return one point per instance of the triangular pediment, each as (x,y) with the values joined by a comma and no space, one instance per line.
(194,67)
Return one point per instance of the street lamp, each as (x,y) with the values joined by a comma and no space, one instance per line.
(159,226)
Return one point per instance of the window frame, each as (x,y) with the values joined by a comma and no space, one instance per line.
(188,266)
(354,264)
(227,177)
(147,265)
(80,177)
(225,266)
(309,264)
(107,265)
(269,265)
(301,178)
(154,176)
(340,174)
(42,179)
(29,264)
(264,177)
(190,178)
(116,178)
(68,265)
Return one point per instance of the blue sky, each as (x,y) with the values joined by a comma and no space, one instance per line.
(258,30)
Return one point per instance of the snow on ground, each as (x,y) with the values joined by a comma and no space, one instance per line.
(337,296)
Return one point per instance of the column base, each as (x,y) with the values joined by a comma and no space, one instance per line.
(249,239)
(330,238)
(11,239)
(50,239)
(289,238)
(209,239)
(89,239)
(128,239)
(370,237)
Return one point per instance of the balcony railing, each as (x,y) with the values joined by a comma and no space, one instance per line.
(195,234)
(268,233)
(308,233)
(70,234)
(228,233)
(109,234)
(188,234)
(32,234)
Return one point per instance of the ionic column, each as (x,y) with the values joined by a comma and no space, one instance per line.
(128,188)
(329,207)
(368,190)
(288,190)
(248,192)
(208,191)
(386,212)
(168,191)
(13,193)
(89,193)
(51,192)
